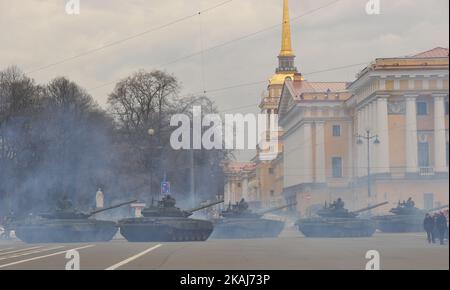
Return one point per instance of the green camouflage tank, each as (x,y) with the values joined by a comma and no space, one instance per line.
(66,225)
(239,222)
(405,218)
(335,221)
(164,222)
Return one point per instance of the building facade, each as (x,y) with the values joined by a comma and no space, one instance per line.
(383,137)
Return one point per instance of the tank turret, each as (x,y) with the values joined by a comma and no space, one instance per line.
(337,210)
(335,221)
(166,208)
(69,212)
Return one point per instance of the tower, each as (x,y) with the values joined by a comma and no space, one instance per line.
(286,57)
(286,66)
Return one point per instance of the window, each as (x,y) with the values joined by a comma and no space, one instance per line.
(424,154)
(272,193)
(422,108)
(271,171)
(428,201)
(336,131)
(446,108)
(239,185)
(447,155)
(337,167)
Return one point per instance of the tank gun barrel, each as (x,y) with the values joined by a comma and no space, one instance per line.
(277,208)
(111,207)
(437,208)
(205,206)
(370,208)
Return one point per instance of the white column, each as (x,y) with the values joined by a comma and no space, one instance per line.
(232,192)
(412,163)
(358,148)
(363,132)
(308,158)
(376,130)
(245,187)
(383,134)
(373,130)
(227,196)
(320,153)
(351,145)
(440,151)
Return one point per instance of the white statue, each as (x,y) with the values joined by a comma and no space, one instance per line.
(99,199)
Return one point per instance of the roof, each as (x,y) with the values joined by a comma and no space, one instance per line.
(436,58)
(240,166)
(432,53)
(301,87)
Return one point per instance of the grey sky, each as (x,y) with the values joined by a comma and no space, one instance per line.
(39,32)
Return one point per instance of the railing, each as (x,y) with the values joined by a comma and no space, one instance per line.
(426,171)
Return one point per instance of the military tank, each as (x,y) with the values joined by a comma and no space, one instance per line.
(405,218)
(335,221)
(164,222)
(239,222)
(67,225)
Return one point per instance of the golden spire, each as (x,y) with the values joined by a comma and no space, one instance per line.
(286,42)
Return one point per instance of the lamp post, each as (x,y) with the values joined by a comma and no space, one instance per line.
(160,151)
(151,133)
(368,137)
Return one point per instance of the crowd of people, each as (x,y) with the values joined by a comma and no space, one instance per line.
(436,226)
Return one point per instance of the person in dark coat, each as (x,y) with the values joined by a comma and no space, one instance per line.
(441,226)
(429,225)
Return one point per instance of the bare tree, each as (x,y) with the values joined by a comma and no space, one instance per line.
(18,97)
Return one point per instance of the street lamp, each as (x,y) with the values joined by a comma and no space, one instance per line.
(151,133)
(160,149)
(360,141)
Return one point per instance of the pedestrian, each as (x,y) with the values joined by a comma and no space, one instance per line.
(429,225)
(441,226)
(446,216)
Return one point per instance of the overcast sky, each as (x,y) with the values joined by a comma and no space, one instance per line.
(35,33)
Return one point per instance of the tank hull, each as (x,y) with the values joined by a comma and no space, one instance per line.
(165,229)
(247,228)
(400,223)
(336,227)
(66,231)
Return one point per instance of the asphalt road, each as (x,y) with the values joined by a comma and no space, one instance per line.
(290,251)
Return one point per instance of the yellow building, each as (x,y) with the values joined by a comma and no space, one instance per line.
(400,103)
(383,137)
